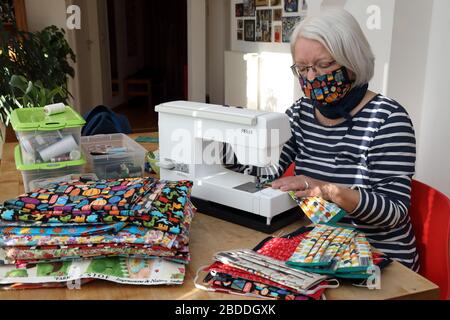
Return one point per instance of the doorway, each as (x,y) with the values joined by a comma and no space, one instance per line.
(148,57)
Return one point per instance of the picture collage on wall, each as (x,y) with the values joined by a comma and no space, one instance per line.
(268,20)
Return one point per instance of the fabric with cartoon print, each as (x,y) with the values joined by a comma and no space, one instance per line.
(131,234)
(225,282)
(18,255)
(141,201)
(156,271)
(73,230)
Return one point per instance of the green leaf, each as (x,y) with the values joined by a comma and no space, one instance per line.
(19,82)
(29,88)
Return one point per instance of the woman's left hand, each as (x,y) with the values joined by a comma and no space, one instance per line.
(305,187)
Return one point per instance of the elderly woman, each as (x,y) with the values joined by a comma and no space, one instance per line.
(350,145)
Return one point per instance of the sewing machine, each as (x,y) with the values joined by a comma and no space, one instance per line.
(191,140)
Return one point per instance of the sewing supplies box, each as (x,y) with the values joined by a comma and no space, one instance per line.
(114,156)
(32,172)
(48,138)
(42,183)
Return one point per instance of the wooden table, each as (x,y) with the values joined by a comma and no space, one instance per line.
(208,235)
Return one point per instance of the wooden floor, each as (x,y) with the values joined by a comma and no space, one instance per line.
(142,117)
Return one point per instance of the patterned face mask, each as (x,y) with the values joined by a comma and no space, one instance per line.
(327,88)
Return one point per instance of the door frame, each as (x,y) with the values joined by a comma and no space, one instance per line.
(96,78)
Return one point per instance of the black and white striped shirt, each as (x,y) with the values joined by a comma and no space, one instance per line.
(375,153)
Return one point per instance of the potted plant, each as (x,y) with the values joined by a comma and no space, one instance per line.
(34,68)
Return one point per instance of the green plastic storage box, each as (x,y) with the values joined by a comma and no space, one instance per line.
(31,172)
(48,138)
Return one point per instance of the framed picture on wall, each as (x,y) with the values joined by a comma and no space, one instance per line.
(239,10)
(249,8)
(274,3)
(291,5)
(264,25)
(240,35)
(304,5)
(277,14)
(262,3)
(240,24)
(249,30)
(288,26)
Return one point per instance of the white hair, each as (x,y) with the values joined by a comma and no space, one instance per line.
(342,36)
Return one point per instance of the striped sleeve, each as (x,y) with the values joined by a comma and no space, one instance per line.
(391,159)
(287,156)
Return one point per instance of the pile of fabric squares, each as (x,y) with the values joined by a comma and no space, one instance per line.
(133,230)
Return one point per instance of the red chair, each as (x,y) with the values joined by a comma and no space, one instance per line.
(430,217)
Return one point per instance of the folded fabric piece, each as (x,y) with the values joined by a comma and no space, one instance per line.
(28,224)
(180,258)
(272,269)
(226,283)
(142,201)
(130,234)
(276,248)
(14,254)
(121,270)
(318,210)
(73,230)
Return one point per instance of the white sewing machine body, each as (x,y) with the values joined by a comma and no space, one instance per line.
(191,137)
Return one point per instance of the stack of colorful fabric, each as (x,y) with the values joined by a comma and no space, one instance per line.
(325,250)
(132,230)
(340,252)
(267,278)
(227,276)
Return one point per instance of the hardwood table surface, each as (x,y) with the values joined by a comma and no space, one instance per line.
(208,236)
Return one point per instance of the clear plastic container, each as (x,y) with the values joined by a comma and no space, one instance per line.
(32,172)
(114,156)
(42,183)
(48,138)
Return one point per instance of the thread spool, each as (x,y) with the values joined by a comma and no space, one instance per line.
(63,146)
(75,155)
(56,108)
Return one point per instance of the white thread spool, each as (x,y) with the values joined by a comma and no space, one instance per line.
(63,146)
(56,108)
(75,155)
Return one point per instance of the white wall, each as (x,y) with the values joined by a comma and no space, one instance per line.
(89,84)
(433,166)
(196,50)
(409,52)
(43,13)
(218,22)
(379,39)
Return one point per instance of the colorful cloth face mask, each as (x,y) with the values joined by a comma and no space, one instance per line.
(327,88)
(318,210)
(272,269)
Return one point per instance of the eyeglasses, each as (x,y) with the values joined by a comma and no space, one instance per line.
(319,68)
